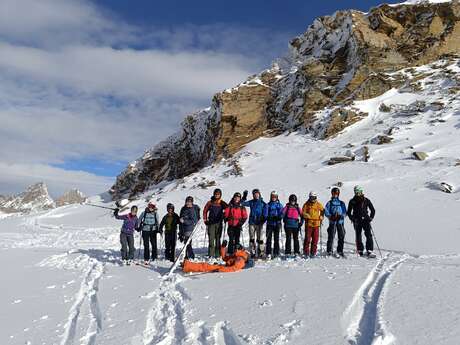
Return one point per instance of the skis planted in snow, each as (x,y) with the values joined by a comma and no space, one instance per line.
(181,255)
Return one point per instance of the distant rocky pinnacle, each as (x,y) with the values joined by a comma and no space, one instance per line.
(36,198)
(341,58)
(73,196)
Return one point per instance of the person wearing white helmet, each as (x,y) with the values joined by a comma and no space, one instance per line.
(313,213)
(358,212)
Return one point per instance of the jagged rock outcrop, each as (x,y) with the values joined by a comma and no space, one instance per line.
(348,56)
(35,198)
(73,196)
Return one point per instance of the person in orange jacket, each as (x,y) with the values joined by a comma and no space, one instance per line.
(313,213)
(233,263)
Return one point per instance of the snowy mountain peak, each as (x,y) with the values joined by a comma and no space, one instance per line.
(341,58)
(35,198)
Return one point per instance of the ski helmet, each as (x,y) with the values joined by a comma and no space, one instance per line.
(313,195)
(273,193)
(151,205)
(292,198)
(133,208)
(335,190)
(189,199)
(358,190)
(255,190)
(217,191)
(170,206)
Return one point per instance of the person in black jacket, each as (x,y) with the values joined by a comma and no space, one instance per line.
(189,217)
(170,222)
(358,212)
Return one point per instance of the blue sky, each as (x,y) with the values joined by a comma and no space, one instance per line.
(86,86)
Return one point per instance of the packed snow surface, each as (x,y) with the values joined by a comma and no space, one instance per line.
(63,282)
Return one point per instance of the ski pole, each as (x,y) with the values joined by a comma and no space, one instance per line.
(373,234)
(105,207)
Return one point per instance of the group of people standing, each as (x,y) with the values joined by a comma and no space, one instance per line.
(223,219)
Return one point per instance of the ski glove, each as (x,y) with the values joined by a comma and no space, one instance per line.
(245,195)
(224,243)
(206,222)
(115,212)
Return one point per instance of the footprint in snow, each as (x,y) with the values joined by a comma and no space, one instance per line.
(266,303)
(17,301)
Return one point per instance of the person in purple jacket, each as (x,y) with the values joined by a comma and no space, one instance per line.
(130,222)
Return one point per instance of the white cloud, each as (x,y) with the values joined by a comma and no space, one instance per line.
(76,82)
(16,177)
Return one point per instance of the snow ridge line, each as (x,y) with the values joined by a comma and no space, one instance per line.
(367,326)
(87,292)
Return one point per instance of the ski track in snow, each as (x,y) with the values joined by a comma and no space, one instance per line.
(365,313)
(85,298)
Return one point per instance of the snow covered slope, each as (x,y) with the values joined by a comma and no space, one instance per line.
(64,283)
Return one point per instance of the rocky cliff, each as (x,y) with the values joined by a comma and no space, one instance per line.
(348,56)
(73,196)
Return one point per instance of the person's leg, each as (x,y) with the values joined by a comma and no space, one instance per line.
(307,241)
(237,235)
(368,234)
(173,245)
(295,235)
(341,238)
(314,240)
(212,239)
(146,240)
(231,240)
(358,237)
(287,248)
(252,240)
(131,247)
(124,246)
(330,237)
(258,229)
(268,236)
(153,240)
(276,237)
(218,240)
(167,245)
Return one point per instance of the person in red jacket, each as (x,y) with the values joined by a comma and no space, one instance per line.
(235,215)
(233,263)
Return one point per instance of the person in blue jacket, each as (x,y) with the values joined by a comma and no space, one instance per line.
(335,211)
(256,220)
(273,213)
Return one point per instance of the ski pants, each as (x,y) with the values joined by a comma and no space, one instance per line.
(214,233)
(273,231)
(365,225)
(127,246)
(189,254)
(150,238)
(255,232)
(234,233)
(294,234)
(331,230)
(170,245)
(310,244)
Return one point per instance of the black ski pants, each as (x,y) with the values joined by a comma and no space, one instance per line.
(234,233)
(273,231)
(170,245)
(365,225)
(150,238)
(331,230)
(292,233)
